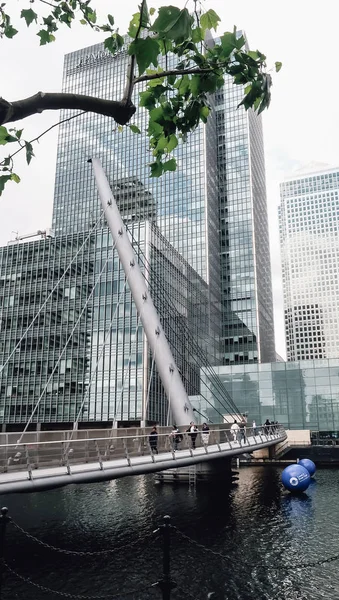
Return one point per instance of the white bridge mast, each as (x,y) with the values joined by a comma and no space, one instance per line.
(179,403)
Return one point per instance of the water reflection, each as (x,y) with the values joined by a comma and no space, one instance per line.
(256,526)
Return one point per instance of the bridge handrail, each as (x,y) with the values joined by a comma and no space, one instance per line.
(259,431)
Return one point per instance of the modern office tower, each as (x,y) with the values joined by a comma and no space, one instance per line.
(61,360)
(184,203)
(247,304)
(309,225)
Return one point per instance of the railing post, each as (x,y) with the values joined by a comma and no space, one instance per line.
(4,519)
(166,584)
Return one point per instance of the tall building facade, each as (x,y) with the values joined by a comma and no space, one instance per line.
(76,286)
(247,303)
(309,225)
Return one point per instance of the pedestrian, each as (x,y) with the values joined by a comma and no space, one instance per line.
(235,431)
(242,430)
(176,438)
(153,440)
(254,427)
(205,433)
(267,426)
(192,432)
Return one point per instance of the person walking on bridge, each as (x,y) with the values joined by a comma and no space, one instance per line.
(235,431)
(192,432)
(153,440)
(205,434)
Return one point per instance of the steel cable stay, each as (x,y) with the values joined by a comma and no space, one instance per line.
(119,403)
(151,535)
(108,333)
(224,392)
(51,293)
(44,588)
(150,379)
(230,407)
(64,348)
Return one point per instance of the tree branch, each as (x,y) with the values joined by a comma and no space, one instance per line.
(131,66)
(192,71)
(15,111)
(36,139)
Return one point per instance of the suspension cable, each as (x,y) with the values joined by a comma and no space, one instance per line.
(231,405)
(118,404)
(180,354)
(108,333)
(64,348)
(224,392)
(50,294)
(150,378)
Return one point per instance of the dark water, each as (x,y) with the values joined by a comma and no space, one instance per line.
(256,525)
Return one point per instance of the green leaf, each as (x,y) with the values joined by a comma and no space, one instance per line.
(204,112)
(147,100)
(120,128)
(170,165)
(45,37)
(144,15)
(151,11)
(134,25)
(3,181)
(29,15)
(228,43)
(10,32)
(197,35)
(83,21)
(3,134)
(209,20)
(173,23)
(29,152)
(111,19)
(172,143)
(195,85)
(155,129)
(278,66)
(156,169)
(134,129)
(146,51)
(15,177)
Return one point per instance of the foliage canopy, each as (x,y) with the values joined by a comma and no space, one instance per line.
(176,97)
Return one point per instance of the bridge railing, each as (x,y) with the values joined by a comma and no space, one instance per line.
(115,444)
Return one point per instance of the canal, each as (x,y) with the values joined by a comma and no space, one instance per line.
(263,534)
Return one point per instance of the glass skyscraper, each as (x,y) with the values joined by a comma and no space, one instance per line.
(247,304)
(309,225)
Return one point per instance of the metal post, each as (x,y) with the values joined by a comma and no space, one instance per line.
(166,584)
(167,369)
(4,519)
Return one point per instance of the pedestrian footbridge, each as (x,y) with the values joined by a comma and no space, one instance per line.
(46,460)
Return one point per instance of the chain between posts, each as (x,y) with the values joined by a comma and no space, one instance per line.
(67,594)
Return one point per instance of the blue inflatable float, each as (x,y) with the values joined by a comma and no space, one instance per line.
(309,465)
(296,478)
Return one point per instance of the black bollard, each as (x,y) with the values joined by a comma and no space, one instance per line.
(4,519)
(166,584)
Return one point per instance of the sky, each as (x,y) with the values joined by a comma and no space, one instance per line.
(301,125)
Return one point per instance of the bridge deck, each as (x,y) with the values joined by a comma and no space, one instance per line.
(26,478)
